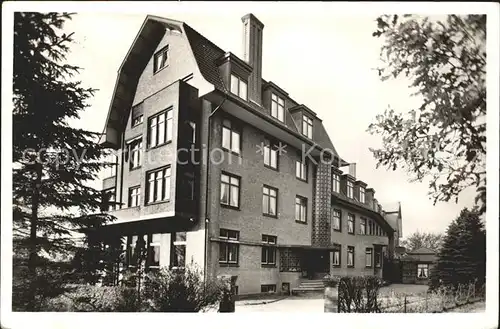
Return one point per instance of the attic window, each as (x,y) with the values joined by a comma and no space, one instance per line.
(161,59)
(307,126)
(277,107)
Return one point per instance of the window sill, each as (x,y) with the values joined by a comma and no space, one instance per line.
(272,168)
(156,202)
(136,125)
(133,207)
(366,266)
(336,266)
(228,265)
(229,206)
(350,266)
(269,215)
(301,222)
(302,180)
(268,265)
(337,230)
(134,168)
(350,233)
(231,152)
(159,145)
(156,72)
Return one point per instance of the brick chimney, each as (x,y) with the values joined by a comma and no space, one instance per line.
(252,54)
(352,169)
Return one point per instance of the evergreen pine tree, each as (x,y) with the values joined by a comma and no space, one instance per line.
(462,258)
(52,160)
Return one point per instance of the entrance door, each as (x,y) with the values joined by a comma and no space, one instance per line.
(319,264)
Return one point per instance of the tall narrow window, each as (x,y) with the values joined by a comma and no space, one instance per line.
(239,87)
(134,196)
(307,126)
(135,148)
(110,199)
(154,251)
(178,250)
(278,107)
(350,190)
(161,59)
(269,201)
(378,258)
(231,137)
(229,248)
(111,164)
(158,185)
(230,190)
(137,114)
(362,226)
(336,220)
(270,154)
(336,255)
(350,256)
(160,128)
(350,223)
(301,169)
(300,209)
(368,257)
(269,250)
(336,183)
(362,194)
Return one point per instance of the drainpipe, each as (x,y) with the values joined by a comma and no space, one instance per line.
(207,203)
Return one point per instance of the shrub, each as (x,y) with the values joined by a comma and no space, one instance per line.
(358,294)
(182,290)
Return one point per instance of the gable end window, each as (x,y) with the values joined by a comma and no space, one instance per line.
(161,59)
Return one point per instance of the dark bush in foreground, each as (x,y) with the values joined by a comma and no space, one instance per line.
(358,294)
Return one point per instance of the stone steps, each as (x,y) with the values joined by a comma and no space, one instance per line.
(309,286)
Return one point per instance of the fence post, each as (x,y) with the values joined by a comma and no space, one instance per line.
(405,305)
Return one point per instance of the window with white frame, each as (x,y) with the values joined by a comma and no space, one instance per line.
(350,223)
(158,185)
(362,194)
(336,183)
(269,201)
(270,154)
(350,256)
(307,126)
(336,255)
(154,250)
(135,148)
(301,169)
(160,128)
(278,107)
(230,190)
(134,196)
(229,247)
(161,59)
(300,209)
(111,164)
(337,218)
(239,87)
(231,137)
(423,271)
(362,226)
(178,250)
(269,250)
(350,190)
(368,257)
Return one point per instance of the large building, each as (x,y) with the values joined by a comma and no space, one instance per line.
(224,169)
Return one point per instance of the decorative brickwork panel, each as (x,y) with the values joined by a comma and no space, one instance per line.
(289,260)
(322,205)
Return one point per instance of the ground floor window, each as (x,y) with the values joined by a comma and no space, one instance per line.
(178,250)
(268,288)
(336,256)
(378,258)
(229,249)
(269,250)
(154,251)
(422,271)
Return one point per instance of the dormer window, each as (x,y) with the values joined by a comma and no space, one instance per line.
(362,194)
(350,189)
(161,59)
(307,126)
(278,107)
(239,87)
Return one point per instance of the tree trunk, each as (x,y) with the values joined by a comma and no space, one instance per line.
(32,261)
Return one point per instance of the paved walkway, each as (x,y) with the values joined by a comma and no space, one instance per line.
(304,304)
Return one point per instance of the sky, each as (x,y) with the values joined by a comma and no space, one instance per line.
(322,58)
